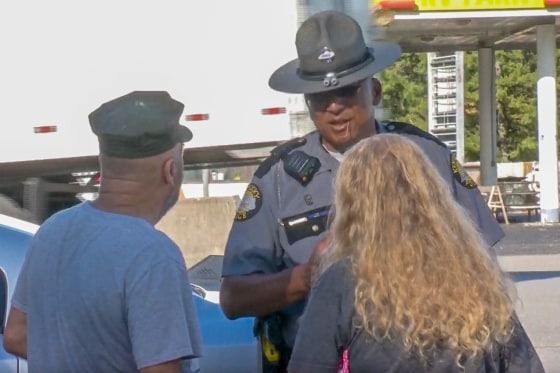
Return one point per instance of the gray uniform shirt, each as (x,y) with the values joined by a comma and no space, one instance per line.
(279,220)
(105,293)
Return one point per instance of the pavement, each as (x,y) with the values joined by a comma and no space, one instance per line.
(530,247)
(532,238)
(530,253)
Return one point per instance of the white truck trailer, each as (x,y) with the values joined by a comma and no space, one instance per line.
(61,59)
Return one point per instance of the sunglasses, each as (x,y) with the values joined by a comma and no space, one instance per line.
(319,100)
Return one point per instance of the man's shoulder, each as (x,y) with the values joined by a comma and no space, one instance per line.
(58,222)
(411,130)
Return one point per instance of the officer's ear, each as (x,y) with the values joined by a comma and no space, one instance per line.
(376,91)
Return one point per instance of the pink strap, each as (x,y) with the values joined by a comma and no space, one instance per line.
(344,365)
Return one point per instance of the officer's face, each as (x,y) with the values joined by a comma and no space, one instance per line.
(345,115)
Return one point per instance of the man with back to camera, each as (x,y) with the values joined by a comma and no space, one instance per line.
(101,290)
(280,226)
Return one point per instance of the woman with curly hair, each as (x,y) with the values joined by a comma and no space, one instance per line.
(407,284)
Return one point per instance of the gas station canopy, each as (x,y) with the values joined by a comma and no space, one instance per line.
(452,25)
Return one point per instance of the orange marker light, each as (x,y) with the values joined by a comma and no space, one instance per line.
(196,117)
(397,5)
(273,110)
(44,129)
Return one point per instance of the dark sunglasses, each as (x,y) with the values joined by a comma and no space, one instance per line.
(323,98)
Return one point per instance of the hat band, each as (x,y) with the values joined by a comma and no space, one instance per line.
(145,145)
(366,59)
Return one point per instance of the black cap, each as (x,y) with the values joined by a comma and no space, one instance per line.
(138,125)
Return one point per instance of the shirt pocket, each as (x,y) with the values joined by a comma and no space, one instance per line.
(300,233)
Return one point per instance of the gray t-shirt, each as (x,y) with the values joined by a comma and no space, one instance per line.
(105,293)
(327,327)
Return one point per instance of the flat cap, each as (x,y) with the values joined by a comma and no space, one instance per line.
(138,125)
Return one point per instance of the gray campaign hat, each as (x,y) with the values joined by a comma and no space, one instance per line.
(138,125)
(331,54)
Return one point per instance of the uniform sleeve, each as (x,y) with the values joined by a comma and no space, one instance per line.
(325,325)
(253,239)
(520,356)
(464,190)
(161,320)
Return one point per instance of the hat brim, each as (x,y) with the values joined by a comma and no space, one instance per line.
(183,134)
(285,78)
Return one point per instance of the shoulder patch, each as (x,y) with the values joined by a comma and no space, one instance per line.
(250,204)
(277,153)
(461,175)
(401,127)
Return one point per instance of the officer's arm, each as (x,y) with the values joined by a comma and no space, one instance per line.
(252,283)
(261,294)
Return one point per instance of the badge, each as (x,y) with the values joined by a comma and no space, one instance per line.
(250,204)
(461,175)
(326,55)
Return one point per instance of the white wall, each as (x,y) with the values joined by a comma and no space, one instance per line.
(214,190)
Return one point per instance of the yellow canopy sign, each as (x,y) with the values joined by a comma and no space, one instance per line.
(466,5)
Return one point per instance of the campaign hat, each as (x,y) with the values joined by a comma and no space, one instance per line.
(331,54)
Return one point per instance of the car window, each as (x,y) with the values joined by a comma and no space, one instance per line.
(3,299)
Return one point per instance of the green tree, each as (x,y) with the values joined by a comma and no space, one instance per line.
(404,90)
(515,106)
(405,97)
(516,99)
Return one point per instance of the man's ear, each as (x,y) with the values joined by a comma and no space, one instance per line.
(376,91)
(168,171)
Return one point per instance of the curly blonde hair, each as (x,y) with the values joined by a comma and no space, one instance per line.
(424,276)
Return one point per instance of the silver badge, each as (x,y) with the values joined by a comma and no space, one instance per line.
(326,55)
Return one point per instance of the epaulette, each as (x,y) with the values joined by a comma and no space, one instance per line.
(277,153)
(400,127)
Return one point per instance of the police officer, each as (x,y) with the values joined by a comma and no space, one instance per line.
(280,226)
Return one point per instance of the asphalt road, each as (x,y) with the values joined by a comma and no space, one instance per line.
(531,253)
(530,239)
(538,309)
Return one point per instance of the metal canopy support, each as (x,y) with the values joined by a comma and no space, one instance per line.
(445,100)
(546,113)
(487,116)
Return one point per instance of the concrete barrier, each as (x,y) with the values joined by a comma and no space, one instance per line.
(200,226)
(530,263)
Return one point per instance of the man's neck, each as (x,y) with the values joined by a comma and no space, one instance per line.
(128,203)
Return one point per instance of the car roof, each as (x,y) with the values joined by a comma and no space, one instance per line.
(18,224)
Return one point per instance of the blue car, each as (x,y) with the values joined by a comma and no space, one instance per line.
(228,346)
(15,235)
